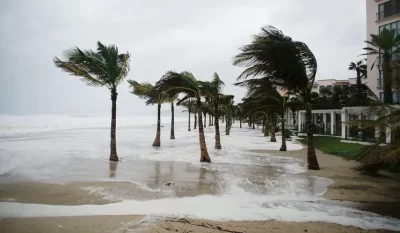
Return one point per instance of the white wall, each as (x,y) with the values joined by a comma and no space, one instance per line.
(373,28)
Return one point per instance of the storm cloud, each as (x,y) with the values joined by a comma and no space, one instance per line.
(198,36)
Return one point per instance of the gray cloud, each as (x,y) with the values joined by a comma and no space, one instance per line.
(199,36)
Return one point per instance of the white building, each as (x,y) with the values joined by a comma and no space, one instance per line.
(333,82)
(381,14)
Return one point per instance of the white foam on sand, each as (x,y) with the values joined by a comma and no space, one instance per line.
(283,194)
(235,205)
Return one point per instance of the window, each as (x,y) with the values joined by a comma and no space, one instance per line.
(396,96)
(388,9)
(380,80)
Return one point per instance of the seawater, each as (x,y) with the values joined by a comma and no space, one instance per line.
(237,185)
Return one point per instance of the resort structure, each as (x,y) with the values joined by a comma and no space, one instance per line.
(381,14)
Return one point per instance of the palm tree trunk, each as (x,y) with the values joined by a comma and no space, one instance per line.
(387,79)
(205,120)
(113,142)
(209,119)
(240,122)
(204,157)
(312,161)
(263,126)
(189,120)
(172,121)
(273,127)
(217,134)
(254,119)
(266,131)
(228,125)
(283,146)
(358,82)
(195,120)
(157,141)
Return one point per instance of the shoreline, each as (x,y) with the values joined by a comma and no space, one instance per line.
(350,188)
(123,223)
(349,185)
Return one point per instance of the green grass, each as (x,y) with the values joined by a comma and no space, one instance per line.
(332,145)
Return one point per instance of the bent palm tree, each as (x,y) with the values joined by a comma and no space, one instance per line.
(103,67)
(383,45)
(152,96)
(287,64)
(175,83)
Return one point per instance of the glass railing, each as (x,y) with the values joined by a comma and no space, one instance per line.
(384,14)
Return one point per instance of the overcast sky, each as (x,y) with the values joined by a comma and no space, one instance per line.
(199,36)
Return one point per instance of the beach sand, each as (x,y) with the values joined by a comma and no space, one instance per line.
(377,194)
(125,224)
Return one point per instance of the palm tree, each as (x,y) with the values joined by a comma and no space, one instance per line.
(213,91)
(152,96)
(175,83)
(361,69)
(103,67)
(190,107)
(385,46)
(287,64)
(226,107)
(172,99)
(264,96)
(377,157)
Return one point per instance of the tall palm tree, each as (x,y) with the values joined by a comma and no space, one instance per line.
(213,91)
(103,67)
(172,99)
(190,107)
(385,46)
(287,64)
(175,83)
(360,68)
(152,96)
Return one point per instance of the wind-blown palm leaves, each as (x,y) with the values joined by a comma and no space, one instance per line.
(103,67)
(385,46)
(287,64)
(376,157)
(152,96)
(175,83)
(147,92)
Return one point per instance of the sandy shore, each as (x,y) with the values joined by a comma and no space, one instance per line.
(125,224)
(350,185)
(376,194)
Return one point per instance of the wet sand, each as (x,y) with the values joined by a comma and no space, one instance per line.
(119,224)
(375,194)
(350,185)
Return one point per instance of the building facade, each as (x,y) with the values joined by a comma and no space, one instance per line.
(333,82)
(381,14)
